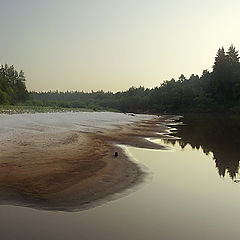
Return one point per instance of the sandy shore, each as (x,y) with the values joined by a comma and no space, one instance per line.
(73,170)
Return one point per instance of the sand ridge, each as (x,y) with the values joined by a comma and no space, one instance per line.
(70,170)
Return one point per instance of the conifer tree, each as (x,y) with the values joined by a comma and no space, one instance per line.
(220,59)
(232,55)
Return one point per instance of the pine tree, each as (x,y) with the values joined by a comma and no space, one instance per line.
(232,55)
(220,59)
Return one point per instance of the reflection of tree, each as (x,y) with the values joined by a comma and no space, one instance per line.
(218,135)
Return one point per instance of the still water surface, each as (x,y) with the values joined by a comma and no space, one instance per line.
(191,193)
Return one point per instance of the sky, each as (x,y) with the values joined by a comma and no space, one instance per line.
(112,45)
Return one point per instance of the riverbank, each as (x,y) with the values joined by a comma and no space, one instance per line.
(71,169)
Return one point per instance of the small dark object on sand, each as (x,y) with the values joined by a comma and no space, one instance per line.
(116,154)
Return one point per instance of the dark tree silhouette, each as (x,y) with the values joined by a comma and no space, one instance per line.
(214,91)
(218,137)
(12,86)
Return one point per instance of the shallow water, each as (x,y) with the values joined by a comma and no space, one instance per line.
(188,195)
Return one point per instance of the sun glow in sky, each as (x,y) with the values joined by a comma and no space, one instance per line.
(113,45)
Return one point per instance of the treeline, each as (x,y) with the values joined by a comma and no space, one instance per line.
(12,86)
(132,100)
(215,91)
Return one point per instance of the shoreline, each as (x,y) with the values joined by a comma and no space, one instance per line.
(74,170)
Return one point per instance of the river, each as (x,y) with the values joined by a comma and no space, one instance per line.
(191,191)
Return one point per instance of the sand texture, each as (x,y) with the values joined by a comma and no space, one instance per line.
(72,169)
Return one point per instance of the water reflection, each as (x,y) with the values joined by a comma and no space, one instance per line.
(216,134)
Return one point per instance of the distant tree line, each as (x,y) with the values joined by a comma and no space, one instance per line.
(12,86)
(215,91)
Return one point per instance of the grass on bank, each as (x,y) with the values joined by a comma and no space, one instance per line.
(18,109)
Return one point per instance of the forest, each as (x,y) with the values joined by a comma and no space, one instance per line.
(214,91)
(12,86)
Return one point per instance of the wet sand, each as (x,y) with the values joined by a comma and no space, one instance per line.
(73,170)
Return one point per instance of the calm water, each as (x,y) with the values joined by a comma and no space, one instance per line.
(192,192)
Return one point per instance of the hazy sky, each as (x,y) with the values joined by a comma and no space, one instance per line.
(112,45)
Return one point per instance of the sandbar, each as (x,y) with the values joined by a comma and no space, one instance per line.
(72,170)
